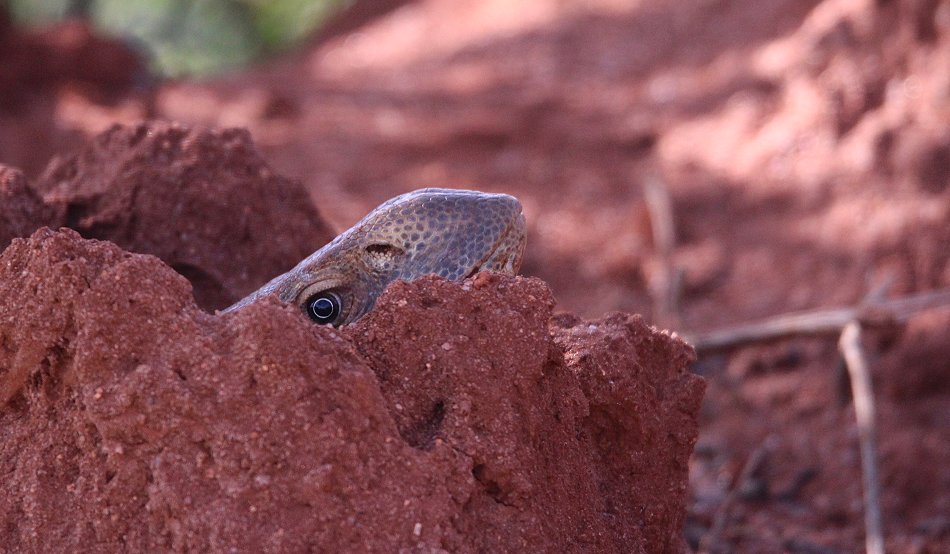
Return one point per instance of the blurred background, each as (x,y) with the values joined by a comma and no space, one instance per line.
(702,163)
(190,38)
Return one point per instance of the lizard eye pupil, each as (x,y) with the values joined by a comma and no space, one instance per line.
(324,307)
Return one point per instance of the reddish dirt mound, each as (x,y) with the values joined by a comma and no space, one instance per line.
(449,418)
(21,208)
(202,200)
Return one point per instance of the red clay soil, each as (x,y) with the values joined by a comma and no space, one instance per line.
(204,201)
(805,148)
(22,209)
(454,418)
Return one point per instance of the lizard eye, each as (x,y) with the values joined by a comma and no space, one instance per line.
(324,307)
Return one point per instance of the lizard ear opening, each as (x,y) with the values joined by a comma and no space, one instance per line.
(383,249)
(382,256)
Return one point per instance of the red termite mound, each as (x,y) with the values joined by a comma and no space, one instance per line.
(455,417)
(22,210)
(202,200)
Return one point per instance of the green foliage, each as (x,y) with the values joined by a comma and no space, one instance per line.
(192,37)
(283,23)
(38,10)
(186,37)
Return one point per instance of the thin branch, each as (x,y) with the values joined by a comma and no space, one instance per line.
(665,284)
(711,539)
(819,322)
(861,390)
(876,293)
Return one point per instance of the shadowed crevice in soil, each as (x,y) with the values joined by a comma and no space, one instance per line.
(422,433)
(208,290)
(489,485)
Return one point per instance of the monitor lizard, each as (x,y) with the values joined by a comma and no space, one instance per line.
(450,233)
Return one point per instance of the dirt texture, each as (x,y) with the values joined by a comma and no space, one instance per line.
(21,208)
(202,200)
(804,146)
(454,418)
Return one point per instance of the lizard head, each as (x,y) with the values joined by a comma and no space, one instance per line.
(449,233)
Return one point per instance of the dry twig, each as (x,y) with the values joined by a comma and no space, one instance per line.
(710,540)
(665,284)
(819,322)
(863,394)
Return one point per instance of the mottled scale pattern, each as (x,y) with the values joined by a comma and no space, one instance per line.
(450,233)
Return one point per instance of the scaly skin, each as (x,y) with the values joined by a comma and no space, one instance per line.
(450,233)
